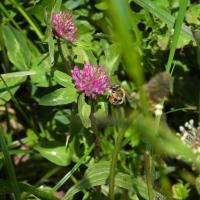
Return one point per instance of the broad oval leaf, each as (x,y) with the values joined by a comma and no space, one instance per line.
(55,152)
(60,96)
(17,46)
(62,79)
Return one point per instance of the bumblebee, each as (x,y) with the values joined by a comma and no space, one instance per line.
(116,95)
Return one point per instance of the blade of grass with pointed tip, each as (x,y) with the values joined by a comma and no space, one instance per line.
(177,31)
(120,15)
(9,165)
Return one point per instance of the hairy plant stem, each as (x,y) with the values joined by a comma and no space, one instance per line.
(64,58)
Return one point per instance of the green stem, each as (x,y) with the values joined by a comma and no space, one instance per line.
(113,164)
(9,165)
(29,20)
(63,53)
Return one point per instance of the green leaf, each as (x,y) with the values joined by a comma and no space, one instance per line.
(38,10)
(82,55)
(51,46)
(84,111)
(85,42)
(177,31)
(57,6)
(41,193)
(17,47)
(98,174)
(13,82)
(111,59)
(41,66)
(132,137)
(84,27)
(102,112)
(32,137)
(63,79)
(60,96)
(163,15)
(180,191)
(192,15)
(63,116)
(55,152)
(102,5)
(71,4)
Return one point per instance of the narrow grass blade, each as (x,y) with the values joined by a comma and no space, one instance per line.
(120,15)
(177,31)
(28,18)
(9,165)
(68,175)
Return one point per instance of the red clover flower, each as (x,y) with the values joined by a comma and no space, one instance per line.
(63,26)
(92,80)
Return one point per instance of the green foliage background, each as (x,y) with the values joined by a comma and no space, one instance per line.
(58,144)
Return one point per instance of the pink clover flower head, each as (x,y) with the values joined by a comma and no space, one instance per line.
(92,80)
(63,26)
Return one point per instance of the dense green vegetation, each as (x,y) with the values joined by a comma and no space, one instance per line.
(99,99)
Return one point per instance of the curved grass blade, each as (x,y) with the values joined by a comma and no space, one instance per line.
(177,31)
